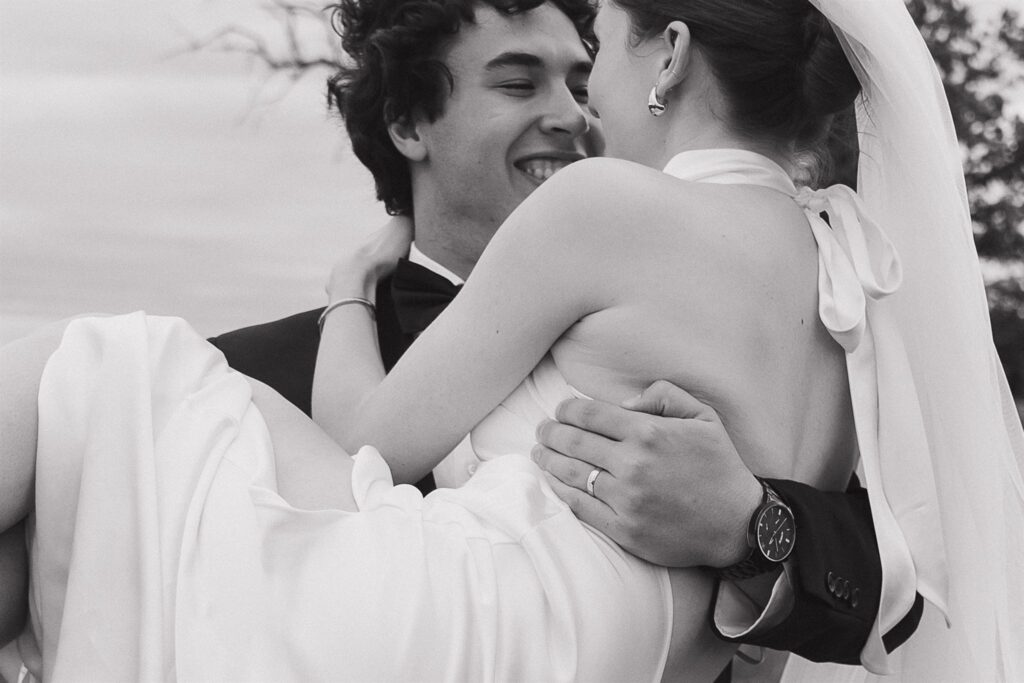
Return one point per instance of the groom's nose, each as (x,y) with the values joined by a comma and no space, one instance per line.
(566,116)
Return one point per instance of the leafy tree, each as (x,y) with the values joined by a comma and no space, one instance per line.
(982,66)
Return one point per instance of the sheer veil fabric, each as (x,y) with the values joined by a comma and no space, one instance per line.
(947,491)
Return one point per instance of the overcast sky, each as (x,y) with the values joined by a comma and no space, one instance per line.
(133,178)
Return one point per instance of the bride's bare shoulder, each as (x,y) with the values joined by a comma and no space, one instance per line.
(600,192)
(612,169)
(611,211)
(602,181)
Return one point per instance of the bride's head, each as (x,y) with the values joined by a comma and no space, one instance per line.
(765,75)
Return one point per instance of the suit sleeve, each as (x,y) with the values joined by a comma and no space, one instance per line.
(281,354)
(835,576)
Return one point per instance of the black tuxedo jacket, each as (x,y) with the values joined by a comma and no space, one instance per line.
(282,353)
(836,553)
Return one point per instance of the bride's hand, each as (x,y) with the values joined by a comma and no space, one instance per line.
(357,273)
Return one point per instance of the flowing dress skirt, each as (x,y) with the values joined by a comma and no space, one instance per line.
(161,550)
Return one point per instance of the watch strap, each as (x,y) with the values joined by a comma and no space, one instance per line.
(755,563)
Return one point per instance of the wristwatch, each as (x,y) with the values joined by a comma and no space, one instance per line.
(771,537)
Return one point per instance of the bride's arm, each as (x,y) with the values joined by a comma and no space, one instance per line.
(348,363)
(531,284)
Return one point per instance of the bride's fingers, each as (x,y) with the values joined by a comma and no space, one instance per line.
(587,508)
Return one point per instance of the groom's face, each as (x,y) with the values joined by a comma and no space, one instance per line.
(518,112)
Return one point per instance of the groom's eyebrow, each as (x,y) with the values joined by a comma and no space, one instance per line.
(532,61)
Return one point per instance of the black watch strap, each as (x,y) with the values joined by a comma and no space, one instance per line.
(756,562)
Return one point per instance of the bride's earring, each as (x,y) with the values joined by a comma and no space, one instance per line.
(654,104)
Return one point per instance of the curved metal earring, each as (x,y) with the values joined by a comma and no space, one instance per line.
(654,104)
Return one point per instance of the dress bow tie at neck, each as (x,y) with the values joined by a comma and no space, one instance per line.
(856,260)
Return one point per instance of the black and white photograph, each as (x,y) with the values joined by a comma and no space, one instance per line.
(512,340)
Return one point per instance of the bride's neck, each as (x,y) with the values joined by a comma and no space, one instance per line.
(684,139)
(695,125)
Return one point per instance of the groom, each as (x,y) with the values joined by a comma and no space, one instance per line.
(521,114)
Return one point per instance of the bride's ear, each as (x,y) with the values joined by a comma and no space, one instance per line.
(676,37)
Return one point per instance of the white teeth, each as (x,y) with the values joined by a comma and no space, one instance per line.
(542,169)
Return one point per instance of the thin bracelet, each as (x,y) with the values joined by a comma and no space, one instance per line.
(342,302)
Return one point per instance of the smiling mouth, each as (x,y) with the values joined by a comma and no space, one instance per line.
(542,168)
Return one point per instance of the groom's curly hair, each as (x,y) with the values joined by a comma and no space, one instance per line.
(394,71)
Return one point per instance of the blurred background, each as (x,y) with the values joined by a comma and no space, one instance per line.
(140,171)
(177,156)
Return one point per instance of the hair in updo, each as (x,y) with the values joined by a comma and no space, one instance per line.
(395,71)
(779,63)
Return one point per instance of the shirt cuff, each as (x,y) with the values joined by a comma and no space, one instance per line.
(738,615)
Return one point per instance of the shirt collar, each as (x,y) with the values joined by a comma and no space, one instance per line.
(418,257)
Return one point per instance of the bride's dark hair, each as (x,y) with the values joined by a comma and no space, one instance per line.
(779,63)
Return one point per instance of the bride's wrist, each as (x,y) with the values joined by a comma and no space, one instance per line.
(338,304)
(351,282)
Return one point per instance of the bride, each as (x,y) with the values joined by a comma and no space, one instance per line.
(188,523)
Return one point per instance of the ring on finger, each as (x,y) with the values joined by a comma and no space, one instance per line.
(591,478)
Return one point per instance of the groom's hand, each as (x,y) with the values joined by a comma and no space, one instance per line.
(671,488)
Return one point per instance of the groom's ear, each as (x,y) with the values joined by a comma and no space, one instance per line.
(676,41)
(405,136)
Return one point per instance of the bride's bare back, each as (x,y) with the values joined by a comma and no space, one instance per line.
(716,291)
(724,306)
(714,288)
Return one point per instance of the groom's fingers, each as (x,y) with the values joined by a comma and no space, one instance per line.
(574,473)
(621,423)
(577,443)
(587,508)
(667,400)
(597,417)
(606,435)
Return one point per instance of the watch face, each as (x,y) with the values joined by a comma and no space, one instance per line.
(776,533)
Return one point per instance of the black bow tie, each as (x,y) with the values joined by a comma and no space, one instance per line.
(420,295)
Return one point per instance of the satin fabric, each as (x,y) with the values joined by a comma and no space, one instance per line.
(161,550)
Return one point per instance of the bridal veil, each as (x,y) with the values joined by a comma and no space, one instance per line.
(947,492)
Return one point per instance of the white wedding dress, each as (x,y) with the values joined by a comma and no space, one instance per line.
(161,550)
